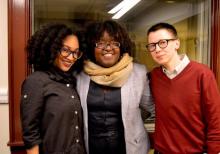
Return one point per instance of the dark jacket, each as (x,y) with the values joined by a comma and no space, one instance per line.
(51,114)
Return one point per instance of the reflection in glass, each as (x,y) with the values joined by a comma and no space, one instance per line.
(190,17)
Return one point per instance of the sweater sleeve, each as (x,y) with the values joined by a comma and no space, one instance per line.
(31,108)
(211,108)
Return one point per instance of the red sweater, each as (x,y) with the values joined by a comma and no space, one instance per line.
(187,111)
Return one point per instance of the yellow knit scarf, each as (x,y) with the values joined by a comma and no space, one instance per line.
(114,76)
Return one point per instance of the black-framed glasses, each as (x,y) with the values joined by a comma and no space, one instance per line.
(65,52)
(104,45)
(162,44)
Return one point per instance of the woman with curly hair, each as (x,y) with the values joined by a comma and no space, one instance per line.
(51,113)
(112,90)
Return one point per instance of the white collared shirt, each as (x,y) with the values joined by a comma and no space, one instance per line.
(179,68)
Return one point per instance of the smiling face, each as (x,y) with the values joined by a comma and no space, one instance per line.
(107,56)
(164,56)
(65,63)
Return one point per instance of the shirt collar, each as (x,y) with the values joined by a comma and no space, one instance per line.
(184,61)
(60,76)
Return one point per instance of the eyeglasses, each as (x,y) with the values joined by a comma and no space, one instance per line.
(162,44)
(65,52)
(103,45)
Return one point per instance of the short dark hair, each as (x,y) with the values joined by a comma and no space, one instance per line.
(162,25)
(45,44)
(95,30)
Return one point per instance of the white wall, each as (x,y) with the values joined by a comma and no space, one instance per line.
(4,130)
(4,113)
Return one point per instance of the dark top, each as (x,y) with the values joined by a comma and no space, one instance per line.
(51,113)
(106,131)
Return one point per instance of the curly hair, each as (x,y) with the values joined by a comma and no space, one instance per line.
(45,44)
(95,31)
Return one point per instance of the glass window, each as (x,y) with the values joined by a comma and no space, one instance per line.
(190,17)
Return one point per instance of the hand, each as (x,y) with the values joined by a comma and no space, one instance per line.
(33,150)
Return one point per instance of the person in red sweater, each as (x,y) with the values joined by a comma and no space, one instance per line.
(186,95)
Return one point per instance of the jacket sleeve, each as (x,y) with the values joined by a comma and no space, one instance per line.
(31,108)
(211,109)
(147,104)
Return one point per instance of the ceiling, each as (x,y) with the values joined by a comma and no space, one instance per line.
(145,13)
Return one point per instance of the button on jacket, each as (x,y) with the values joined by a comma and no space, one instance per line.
(51,114)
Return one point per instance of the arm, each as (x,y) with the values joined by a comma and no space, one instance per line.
(211,109)
(31,110)
(33,150)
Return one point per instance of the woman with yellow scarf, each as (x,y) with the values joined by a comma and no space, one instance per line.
(113,90)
